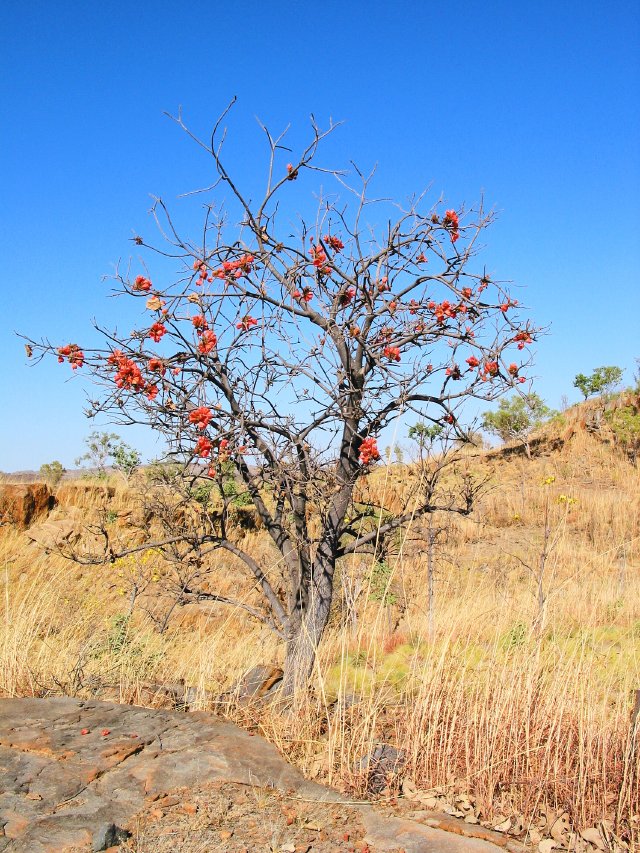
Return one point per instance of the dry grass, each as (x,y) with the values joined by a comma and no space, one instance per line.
(518,702)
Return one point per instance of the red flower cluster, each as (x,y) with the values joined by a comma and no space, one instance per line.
(319,259)
(208,342)
(369,451)
(452,223)
(490,368)
(347,297)
(199,323)
(305,296)
(128,375)
(467,292)
(203,446)
(334,243)
(157,365)
(73,354)
(472,361)
(510,303)
(292,173)
(152,392)
(246,323)
(235,269)
(157,332)
(392,353)
(523,338)
(422,258)
(443,310)
(513,369)
(200,417)
(141,283)
(454,372)
(203,274)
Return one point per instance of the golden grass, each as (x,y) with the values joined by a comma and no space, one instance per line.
(519,704)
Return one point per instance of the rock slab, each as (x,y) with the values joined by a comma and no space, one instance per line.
(74,774)
(69,769)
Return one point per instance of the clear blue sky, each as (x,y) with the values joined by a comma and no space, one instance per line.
(536,105)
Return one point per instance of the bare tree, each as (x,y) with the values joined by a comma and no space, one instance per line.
(286,349)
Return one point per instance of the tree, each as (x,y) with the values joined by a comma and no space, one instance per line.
(286,349)
(103,447)
(52,472)
(603,380)
(516,419)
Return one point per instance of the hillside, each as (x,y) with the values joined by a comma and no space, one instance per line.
(509,691)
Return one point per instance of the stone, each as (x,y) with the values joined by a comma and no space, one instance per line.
(108,835)
(20,504)
(381,766)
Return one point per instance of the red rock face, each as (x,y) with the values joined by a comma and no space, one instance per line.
(22,504)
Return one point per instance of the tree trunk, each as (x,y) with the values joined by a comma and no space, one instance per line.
(306,626)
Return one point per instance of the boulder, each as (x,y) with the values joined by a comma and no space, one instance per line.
(20,504)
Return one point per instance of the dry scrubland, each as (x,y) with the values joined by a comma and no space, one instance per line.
(518,705)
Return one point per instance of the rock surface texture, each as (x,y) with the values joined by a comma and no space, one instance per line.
(22,504)
(81,776)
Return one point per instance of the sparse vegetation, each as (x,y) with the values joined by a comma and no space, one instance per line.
(517,418)
(603,380)
(52,472)
(518,713)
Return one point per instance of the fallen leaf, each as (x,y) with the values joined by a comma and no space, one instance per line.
(546,845)
(409,789)
(593,836)
(505,826)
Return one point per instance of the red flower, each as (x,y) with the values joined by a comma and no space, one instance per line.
(73,354)
(200,417)
(453,372)
(246,323)
(467,292)
(152,392)
(156,332)
(452,223)
(157,365)
(369,451)
(141,283)
(513,369)
(422,258)
(392,353)
(203,446)
(472,361)
(129,374)
(199,323)
(334,242)
(523,338)
(208,342)
(347,296)
(203,275)
(319,260)
(491,367)
(233,270)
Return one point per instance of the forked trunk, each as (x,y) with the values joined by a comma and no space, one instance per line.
(306,626)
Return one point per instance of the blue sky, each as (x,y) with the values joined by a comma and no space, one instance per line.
(534,105)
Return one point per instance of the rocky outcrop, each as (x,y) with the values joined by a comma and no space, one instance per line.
(74,775)
(69,769)
(21,504)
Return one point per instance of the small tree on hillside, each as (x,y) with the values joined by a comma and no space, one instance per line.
(516,419)
(286,348)
(52,472)
(603,380)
